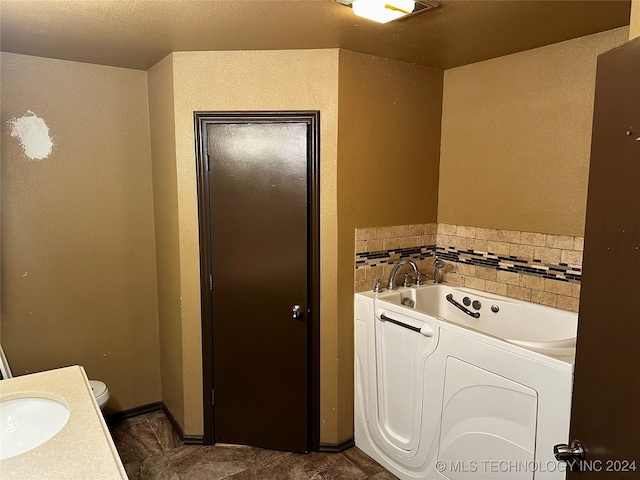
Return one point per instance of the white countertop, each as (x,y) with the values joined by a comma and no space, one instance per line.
(82,450)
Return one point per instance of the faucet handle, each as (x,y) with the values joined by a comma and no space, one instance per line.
(419,278)
(378,286)
(406,282)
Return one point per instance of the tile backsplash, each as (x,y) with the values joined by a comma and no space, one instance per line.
(537,267)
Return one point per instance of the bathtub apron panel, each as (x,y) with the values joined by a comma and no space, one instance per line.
(487,420)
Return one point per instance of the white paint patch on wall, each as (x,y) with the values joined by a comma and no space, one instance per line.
(33,133)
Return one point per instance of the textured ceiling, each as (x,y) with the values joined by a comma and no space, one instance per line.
(139,33)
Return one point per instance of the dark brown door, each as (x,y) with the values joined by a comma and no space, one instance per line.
(605,412)
(259,199)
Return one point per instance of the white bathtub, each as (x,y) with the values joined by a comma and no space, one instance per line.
(441,394)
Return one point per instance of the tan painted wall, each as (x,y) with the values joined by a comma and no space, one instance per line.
(256,80)
(389,138)
(165,206)
(388,155)
(78,254)
(516,138)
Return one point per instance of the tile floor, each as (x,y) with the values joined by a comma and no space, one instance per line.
(150,449)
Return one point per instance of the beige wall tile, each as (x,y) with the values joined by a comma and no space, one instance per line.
(510,278)
(364,285)
(365,233)
(373,272)
(418,229)
(496,287)
(424,265)
(480,245)
(392,243)
(465,269)
(499,248)
(464,231)
(487,273)
(443,240)
(571,257)
(454,279)
(509,236)
(550,249)
(531,238)
(521,293)
(450,267)
(487,233)
(568,303)
(408,242)
(563,242)
(447,229)
(521,251)
(547,255)
(401,230)
(384,232)
(544,298)
(559,287)
(575,290)
(531,281)
(461,243)
(375,245)
(473,282)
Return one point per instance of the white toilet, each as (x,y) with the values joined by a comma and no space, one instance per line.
(100,390)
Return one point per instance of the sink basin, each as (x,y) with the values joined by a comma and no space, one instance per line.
(26,423)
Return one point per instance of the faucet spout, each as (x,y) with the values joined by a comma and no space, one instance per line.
(392,276)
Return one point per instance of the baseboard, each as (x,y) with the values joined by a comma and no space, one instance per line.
(133,412)
(199,439)
(337,447)
(186,439)
(154,407)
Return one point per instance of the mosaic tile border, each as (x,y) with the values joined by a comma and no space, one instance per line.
(372,259)
(541,268)
(562,272)
(373,265)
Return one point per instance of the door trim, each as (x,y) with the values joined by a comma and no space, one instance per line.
(312,119)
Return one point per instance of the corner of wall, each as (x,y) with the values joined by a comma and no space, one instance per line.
(160,81)
(387,171)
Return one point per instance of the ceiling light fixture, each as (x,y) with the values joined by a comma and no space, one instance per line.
(384,11)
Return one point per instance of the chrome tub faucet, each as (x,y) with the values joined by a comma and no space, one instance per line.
(396,267)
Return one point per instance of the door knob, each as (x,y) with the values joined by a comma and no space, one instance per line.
(296,312)
(566,453)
